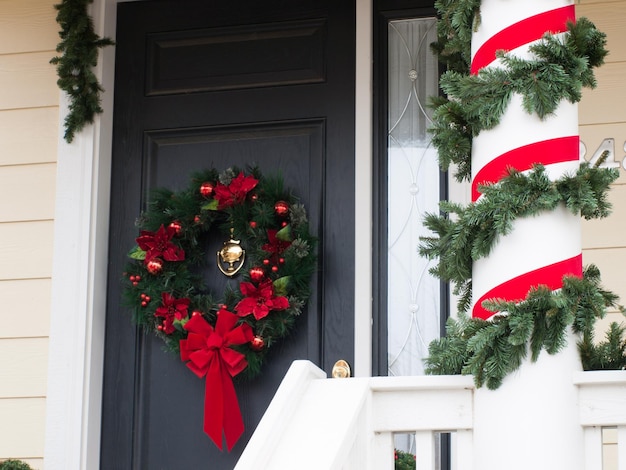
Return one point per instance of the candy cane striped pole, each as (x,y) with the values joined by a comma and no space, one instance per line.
(531,420)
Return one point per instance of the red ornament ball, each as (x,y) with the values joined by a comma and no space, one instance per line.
(257,343)
(154,266)
(206,189)
(256,274)
(253,224)
(274,269)
(177,226)
(266,261)
(281,208)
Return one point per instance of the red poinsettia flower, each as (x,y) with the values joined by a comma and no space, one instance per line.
(172,309)
(159,244)
(235,193)
(275,246)
(259,301)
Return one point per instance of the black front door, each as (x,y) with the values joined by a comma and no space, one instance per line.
(204,84)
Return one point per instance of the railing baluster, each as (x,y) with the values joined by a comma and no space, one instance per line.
(425,450)
(593,447)
(381,451)
(621,447)
(463,450)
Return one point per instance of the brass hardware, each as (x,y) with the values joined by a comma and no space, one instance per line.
(231,253)
(341,370)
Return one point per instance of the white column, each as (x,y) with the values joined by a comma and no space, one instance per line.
(530,422)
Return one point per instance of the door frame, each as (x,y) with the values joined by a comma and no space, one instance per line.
(78,302)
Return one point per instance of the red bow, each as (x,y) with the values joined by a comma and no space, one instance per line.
(209,353)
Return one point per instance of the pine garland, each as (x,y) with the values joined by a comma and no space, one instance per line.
(490,350)
(477,227)
(561,66)
(79,54)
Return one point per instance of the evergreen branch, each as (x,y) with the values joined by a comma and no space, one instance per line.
(79,54)
(490,350)
(472,231)
(560,68)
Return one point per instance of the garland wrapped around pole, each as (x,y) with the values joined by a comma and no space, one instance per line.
(543,80)
(509,122)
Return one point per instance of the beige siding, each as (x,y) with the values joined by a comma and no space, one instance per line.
(603,116)
(27,26)
(28,135)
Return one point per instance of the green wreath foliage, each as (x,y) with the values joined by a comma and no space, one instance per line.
(279,254)
(560,68)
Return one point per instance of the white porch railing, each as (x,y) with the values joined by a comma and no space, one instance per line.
(349,424)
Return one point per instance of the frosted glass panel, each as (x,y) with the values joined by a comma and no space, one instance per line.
(413,294)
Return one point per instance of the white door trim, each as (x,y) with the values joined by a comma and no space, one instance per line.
(79,274)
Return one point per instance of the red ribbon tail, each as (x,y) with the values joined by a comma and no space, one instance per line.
(222,415)
(232,421)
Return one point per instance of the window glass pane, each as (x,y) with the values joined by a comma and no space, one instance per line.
(413,294)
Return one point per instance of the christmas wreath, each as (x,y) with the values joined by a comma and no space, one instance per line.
(269,254)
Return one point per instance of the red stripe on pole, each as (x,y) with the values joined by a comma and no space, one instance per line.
(547,152)
(520,33)
(516,289)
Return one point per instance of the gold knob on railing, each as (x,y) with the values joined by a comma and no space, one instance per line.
(341,370)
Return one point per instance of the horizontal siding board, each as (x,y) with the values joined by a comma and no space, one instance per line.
(580,3)
(28,81)
(26,250)
(610,231)
(23,427)
(32,188)
(28,25)
(29,135)
(610,19)
(607,102)
(30,299)
(23,366)
(593,136)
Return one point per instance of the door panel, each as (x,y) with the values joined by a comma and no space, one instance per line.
(204,84)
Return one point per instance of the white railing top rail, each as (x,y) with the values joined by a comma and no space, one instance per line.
(315,423)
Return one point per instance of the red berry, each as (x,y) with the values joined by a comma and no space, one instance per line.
(132,278)
(144,303)
(253,224)
(266,262)
(137,278)
(135,283)
(283,224)
(274,269)
(281,260)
